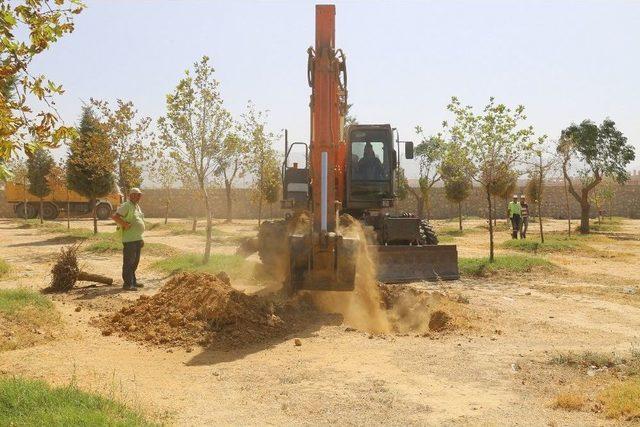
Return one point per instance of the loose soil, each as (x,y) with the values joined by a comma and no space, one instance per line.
(198,309)
(489,365)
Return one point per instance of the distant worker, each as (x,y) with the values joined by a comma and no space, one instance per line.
(524,207)
(369,166)
(514,210)
(130,220)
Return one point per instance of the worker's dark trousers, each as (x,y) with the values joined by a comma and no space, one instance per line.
(515,223)
(130,259)
(523,227)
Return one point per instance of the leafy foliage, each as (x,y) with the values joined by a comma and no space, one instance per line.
(495,141)
(129,136)
(39,165)
(194,130)
(91,160)
(595,152)
(28,28)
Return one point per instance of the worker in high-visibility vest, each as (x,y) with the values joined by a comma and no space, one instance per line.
(514,210)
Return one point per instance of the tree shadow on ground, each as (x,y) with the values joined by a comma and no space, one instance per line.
(53,241)
(213,356)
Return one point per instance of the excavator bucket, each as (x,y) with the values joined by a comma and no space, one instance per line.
(400,264)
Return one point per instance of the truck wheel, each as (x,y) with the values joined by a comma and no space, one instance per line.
(19,210)
(49,211)
(103,211)
(32,211)
(428,234)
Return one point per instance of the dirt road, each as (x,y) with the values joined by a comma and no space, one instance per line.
(497,372)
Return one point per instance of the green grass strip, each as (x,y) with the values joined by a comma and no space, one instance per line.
(502,263)
(13,300)
(34,403)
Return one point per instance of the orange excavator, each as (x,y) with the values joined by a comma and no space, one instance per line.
(350,173)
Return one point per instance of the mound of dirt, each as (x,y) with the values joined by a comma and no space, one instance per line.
(202,309)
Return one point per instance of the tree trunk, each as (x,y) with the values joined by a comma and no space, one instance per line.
(166,212)
(420,207)
(566,196)
(227,188)
(95,221)
(68,212)
(40,213)
(259,210)
(194,224)
(540,221)
(494,213)
(207,247)
(460,215)
(585,207)
(24,187)
(490,227)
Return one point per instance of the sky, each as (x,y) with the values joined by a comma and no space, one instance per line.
(565,61)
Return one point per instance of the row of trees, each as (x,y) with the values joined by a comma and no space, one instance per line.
(494,147)
(198,144)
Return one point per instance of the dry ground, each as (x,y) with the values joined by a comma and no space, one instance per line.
(496,373)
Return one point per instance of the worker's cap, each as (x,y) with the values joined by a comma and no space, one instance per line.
(135,190)
(515,196)
(522,196)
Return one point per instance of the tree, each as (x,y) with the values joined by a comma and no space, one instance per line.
(603,197)
(194,129)
(270,184)
(18,172)
(232,159)
(538,174)
(596,152)
(263,163)
(164,172)
(129,136)
(494,141)
(28,28)
(457,171)
(429,155)
(57,178)
(39,165)
(503,185)
(402,192)
(91,162)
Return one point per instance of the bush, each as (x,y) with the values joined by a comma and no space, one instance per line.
(622,399)
(32,403)
(569,401)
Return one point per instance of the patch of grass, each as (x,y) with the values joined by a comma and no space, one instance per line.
(622,400)
(551,244)
(481,267)
(569,401)
(606,224)
(586,359)
(4,267)
(234,265)
(13,300)
(27,318)
(31,403)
